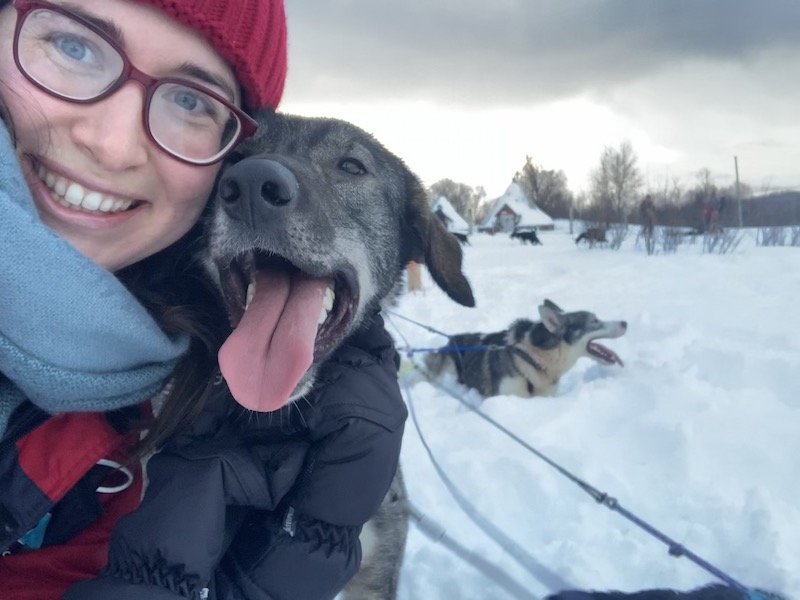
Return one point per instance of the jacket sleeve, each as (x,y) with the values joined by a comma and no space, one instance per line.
(177,537)
(355,435)
(310,548)
(313,562)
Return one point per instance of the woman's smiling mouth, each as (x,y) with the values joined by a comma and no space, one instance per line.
(73,195)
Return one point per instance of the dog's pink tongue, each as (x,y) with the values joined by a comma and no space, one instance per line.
(273,345)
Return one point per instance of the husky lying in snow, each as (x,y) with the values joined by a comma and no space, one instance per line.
(528,358)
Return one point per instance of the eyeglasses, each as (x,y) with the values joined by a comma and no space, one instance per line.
(70,58)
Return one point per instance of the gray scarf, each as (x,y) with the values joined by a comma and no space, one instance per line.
(72,338)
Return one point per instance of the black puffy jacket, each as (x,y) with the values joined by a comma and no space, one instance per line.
(266,506)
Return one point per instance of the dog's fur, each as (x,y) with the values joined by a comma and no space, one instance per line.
(326,198)
(592,236)
(526,236)
(383,542)
(528,358)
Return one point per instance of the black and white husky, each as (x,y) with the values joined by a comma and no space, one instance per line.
(528,358)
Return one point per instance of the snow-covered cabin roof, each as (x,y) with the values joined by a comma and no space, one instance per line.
(457,224)
(514,198)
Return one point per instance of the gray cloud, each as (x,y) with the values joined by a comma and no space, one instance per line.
(512,52)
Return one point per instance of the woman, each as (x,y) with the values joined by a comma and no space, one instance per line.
(121,111)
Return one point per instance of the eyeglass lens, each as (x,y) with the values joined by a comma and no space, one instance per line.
(76,63)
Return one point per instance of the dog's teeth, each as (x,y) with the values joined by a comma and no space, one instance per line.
(327,301)
(251,292)
(323,314)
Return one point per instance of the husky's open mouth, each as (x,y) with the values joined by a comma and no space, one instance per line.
(239,282)
(602,354)
(284,318)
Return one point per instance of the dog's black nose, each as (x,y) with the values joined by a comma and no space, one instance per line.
(229,190)
(249,184)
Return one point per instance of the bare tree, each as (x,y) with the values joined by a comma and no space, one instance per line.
(464,198)
(705,183)
(476,204)
(670,194)
(546,189)
(483,208)
(616,182)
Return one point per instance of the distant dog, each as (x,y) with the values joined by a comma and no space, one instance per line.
(592,236)
(463,238)
(320,205)
(528,358)
(528,236)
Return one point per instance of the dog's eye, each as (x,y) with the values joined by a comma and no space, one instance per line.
(352,166)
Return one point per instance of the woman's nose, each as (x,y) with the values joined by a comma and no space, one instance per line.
(112,130)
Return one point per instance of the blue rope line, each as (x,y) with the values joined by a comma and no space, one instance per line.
(417,323)
(449,349)
(675,549)
(443,349)
(550,579)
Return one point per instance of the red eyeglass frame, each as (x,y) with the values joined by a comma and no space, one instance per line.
(248,125)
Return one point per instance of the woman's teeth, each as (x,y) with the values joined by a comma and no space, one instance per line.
(74,195)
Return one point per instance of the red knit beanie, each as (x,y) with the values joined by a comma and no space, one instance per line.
(249,34)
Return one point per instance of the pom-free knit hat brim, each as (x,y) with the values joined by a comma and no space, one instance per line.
(249,34)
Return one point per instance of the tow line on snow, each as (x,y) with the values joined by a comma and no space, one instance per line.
(438,534)
(548,578)
(674,548)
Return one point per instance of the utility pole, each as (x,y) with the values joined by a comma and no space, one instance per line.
(738,191)
(571,216)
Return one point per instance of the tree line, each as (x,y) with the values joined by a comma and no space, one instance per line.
(617,194)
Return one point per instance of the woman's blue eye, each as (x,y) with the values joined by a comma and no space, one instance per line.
(186,100)
(72,47)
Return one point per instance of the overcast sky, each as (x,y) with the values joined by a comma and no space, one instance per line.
(465,89)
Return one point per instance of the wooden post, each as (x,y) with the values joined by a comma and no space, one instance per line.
(571,217)
(738,191)
(414,277)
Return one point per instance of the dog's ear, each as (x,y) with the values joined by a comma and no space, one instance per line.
(430,243)
(443,257)
(551,317)
(549,303)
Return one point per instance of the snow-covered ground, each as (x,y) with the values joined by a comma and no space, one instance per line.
(699,433)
